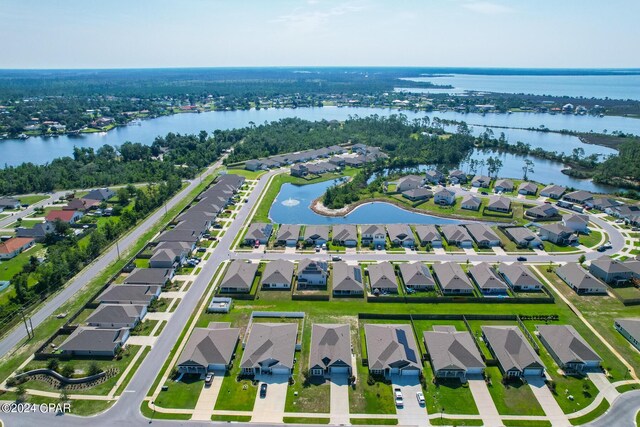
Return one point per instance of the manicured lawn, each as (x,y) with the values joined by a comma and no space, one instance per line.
(78,407)
(234,394)
(592,239)
(246,173)
(144,328)
(232,418)
(154,415)
(450,395)
(526,423)
(10,267)
(515,398)
(27,223)
(303,420)
(373,421)
(600,410)
(627,387)
(29,200)
(552,247)
(181,394)
(370,399)
(142,262)
(455,422)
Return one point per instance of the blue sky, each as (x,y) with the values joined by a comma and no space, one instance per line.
(202,33)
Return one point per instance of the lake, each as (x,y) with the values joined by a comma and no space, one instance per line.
(40,150)
(618,86)
(285,210)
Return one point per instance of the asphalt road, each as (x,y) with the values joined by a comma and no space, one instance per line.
(4,222)
(52,305)
(622,413)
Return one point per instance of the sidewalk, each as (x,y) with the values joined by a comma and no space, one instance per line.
(484,401)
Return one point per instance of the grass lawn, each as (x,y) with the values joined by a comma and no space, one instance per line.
(10,267)
(627,387)
(450,395)
(29,200)
(526,423)
(236,395)
(181,394)
(142,262)
(81,408)
(232,418)
(370,399)
(455,422)
(145,327)
(513,399)
(601,409)
(591,239)
(373,421)
(153,415)
(247,173)
(552,247)
(27,223)
(303,420)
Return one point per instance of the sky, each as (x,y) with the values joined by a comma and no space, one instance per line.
(222,33)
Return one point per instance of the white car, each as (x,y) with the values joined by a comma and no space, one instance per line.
(420,398)
(399,401)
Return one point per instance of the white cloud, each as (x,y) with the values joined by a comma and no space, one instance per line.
(486,7)
(314,17)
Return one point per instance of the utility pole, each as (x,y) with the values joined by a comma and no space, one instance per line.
(26,326)
(118,249)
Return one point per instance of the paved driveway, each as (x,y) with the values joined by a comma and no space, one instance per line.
(339,411)
(548,402)
(207,399)
(270,409)
(411,413)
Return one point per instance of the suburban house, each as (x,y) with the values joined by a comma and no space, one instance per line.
(580,280)
(239,277)
(129,294)
(519,277)
(434,176)
(345,235)
(544,211)
(278,274)
(14,246)
(299,170)
(428,236)
(82,205)
(470,202)
(579,197)
(409,183)
(150,276)
(188,236)
(382,278)
(92,341)
(576,222)
(457,235)
(481,181)
(253,165)
(100,194)
(553,191)
(483,235)
(258,232)
(499,204)
(270,349)
(528,189)
(316,235)
(452,279)
(626,212)
(209,349)
(401,235)
(117,315)
(523,237)
(602,203)
(347,279)
(392,350)
(487,279)
(169,254)
(503,186)
(457,177)
(515,355)
(630,329)
(557,233)
(70,217)
(417,194)
(570,351)
(330,352)
(452,354)
(373,234)
(416,276)
(444,197)
(288,235)
(9,203)
(312,273)
(610,271)
(38,231)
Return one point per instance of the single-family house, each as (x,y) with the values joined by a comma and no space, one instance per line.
(209,349)
(373,234)
(14,246)
(382,278)
(523,237)
(577,222)
(38,232)
(553,191)
(288,235)
(579,197)
(316,235)
(9,203)
(457,176)
(457,235)
(347,279)
(417,276)
(100,194)
(299,170)
(567,347)
(70,217)
(557,233)
(330,351)
(312,273)
(189,236)
(626,212)
(258,232)
(434,176)
(117,315)
(269,349)
(527,188)
(499,204)
(452,354)
(452,279)
(483,235)
(610,270)
(481,181)
(253,165)
(417,194)
(96,342)
(345,235)
(519,277)
(602,203)
(278,274)
(428,235)
(239,277)
(444,197)
(515,355)
(470,202)
(544,211)
(409,183)
(630,329)
(392,350)
(401,235)
(129,294)
(580,280)
(503,186)
(487,280)
(169,254)
(150,276)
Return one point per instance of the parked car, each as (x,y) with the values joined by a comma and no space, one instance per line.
(257,245)
(521,258)
(601,249)
(202,250)
(208,379)
(398,394)
(336,258)
(263,390)
(484,193)
(420,398)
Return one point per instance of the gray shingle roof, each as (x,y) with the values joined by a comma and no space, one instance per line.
(270,344)
(511,348)
(347,277)
(344,232)
(149,276)
(519,275)
(455,233)
(485,277)
(481,232)
(259,230)
(451,276)
(452,350)
(129,294)
(427,233)
(382,276)
(499,202)
(579,277)
(239,275)
(315,232)
(116,313)
(330,345)
(631,325)
(567,344)
(416,274)
(89,338)
(401,232)
(288,232)
(210,346)
(391,346)
(278,271)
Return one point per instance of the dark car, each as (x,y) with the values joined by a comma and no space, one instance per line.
(484,193)
(263,390)
(521,258)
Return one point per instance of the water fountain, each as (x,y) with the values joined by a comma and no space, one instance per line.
(290,202)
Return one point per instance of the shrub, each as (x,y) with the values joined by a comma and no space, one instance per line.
(94,369)
(67,370)
(53,364)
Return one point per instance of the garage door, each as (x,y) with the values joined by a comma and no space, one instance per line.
(410,372)
(533,372)
(340,370)
(280,371)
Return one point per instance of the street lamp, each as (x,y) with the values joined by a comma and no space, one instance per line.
(154,411)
